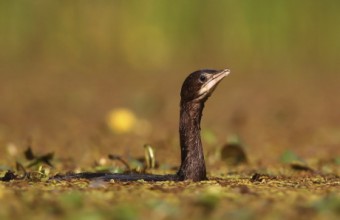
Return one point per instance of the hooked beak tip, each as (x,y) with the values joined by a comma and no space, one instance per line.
(225,71)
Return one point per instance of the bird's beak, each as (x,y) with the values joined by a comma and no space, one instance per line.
(217,77)
(210,86)
(220,75)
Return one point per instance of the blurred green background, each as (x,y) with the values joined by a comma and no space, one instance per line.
(65,64)
(159,36)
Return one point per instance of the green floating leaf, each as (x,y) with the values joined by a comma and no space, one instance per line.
(87,215)
(136,165)
(209,201)
(328,204)
(289,157)
(209,136)
(337,160)
(4,167)
(234,139)
(241,214)
(167,209)
(72,200)
(124,212)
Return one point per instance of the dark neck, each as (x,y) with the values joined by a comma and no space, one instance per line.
(192,157)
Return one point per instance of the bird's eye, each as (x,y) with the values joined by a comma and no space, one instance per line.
(203,78)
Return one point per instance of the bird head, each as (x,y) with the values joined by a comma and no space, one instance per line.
(199,85)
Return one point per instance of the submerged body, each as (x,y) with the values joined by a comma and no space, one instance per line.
(196,89)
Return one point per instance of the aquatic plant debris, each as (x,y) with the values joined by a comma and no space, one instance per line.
(237,194)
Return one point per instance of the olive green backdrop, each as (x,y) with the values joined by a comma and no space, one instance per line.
(65,64)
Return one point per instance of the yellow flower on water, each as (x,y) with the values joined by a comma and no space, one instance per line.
(121,120)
